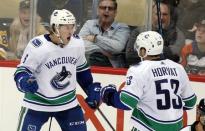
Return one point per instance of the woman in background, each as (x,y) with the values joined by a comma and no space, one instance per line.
(19,30)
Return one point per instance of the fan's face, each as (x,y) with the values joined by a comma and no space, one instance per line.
(200,34)
(24,16)
(202,120)
(165,16)
(107,11)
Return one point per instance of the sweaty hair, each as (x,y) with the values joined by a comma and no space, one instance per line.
(114,2)
(52,29)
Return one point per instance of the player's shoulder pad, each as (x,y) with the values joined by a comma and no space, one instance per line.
(76,36)
(36,42)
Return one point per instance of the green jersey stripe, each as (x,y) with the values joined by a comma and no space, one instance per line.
(82,67)
(36,98)
(189,103)
(21,118)
(21,69)
(174,126)
(128,100)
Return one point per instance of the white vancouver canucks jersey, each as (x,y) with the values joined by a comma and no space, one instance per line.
(55,70)
(157,91)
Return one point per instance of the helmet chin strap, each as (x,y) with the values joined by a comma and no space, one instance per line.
(141,58)
(55,31)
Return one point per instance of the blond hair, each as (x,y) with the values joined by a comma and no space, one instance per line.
(19,34)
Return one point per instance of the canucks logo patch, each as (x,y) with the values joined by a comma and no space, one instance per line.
(59,81)
(36,42)
(76,36)
(31,128)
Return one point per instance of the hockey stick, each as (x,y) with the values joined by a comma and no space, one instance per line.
(159,17)
(50,124)
(102,114)
(105,118)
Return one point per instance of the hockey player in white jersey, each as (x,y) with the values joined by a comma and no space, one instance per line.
(157,90)
(48,73)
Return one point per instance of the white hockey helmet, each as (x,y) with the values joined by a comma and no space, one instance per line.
(62,17)
(151,41)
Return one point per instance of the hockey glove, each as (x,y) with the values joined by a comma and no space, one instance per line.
(28,83)
(93,99)
(107,92)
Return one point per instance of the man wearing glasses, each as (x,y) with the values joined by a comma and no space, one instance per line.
(104,38)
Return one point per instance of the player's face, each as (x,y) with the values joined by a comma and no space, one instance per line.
(200,34)
(106,12)
(24,16)
(66,31)
(165,16)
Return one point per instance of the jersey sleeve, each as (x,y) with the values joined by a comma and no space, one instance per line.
(82,64)
(188,95)
(31,56)
(133,90)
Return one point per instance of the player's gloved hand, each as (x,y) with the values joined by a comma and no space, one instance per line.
(28,84)
(107,92)
(93,99)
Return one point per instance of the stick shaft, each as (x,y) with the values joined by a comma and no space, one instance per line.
(105,118)
(50,124)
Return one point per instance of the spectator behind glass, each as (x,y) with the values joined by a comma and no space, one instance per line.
(4,35)
(45,8)
(199,124)
(190,11)
(3,54)
(3,43)
(193,54)
(174,39)
(19,30)
(105,38)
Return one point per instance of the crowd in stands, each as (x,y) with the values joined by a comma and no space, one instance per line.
(105,38)
(77,7)
(193,53)
(173,37)
(109,42)
(19,30)
(190,12)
